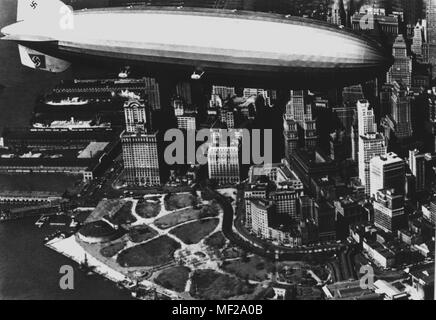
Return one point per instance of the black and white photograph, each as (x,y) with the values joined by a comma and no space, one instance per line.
(217,156)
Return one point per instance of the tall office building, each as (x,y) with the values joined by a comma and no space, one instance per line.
(417,165)
(215,101)
(386,99)
(411,10)
(223,92)
(352,94)
(152,93)
(387,172)
(140,147)
(183,91)
(370,145)
(310,133)
(224,159)
(296,106)
(401,70)
(135,114)
(179,107)
(337,13)
(354,137)
(401,111)
(389,24)
(290,134)
(430,45)
(365,118)
(345,115)
(389,212)
(187,122)
(227,116)
(141,161)
(267,95)
(418,40)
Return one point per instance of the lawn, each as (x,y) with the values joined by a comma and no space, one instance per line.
(174,278)
(176,201)
(123,215)
(211,285)
(253,268)
(154,253)
(97,229)
(189,214)
(141,233)
(194,232)
(216,240)
(148,208)
(233,253)
(112,249)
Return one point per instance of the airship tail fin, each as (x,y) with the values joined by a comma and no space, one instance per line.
(42,10)
(40,61)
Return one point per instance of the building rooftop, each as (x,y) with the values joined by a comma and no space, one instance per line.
(93,150)
(381,249)
(424,273)
(349,290)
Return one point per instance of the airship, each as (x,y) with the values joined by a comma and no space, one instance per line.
(221,45)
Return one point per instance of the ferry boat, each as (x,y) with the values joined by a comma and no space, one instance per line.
(76,101)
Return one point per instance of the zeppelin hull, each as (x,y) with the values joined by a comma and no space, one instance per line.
(228,72)
(241,45)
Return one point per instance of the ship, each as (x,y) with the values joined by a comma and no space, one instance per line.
(73,124)
(76,101)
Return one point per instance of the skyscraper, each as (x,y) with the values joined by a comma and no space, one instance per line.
(401,70)
(152,93)
(417,165)
(370,145)
(183,90)
(227,116)
(290,134)
(365,118)
(310,133)
(430,46)
(337,13)
(267,95)
(387,172)
(223,92)
(295,107)
(135,115)
(224,159)
(352,94)
(418,39)
(140,147)
(389,212)
(401,111)
(187,122)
